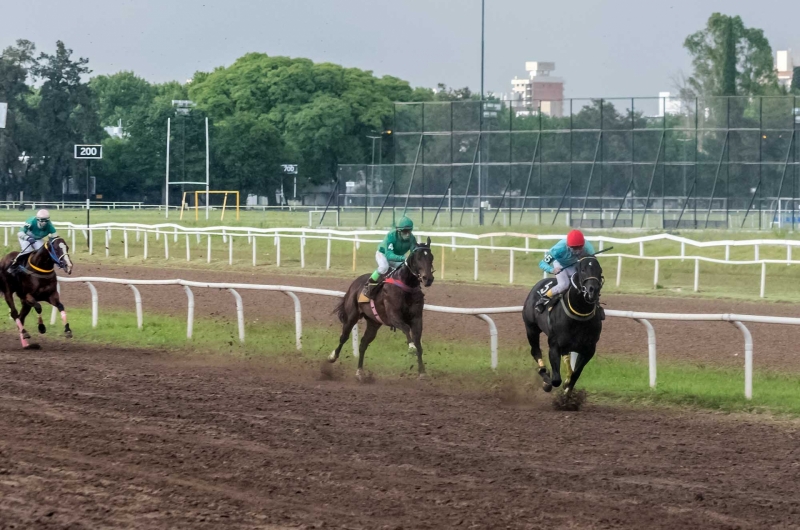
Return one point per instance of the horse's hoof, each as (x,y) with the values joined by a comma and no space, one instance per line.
(423,376)
(547,387)
(25,334)
(68,334)
(360,375)
(42,329)
(556,382)
(332,357)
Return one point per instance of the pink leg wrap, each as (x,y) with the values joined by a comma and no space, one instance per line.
(19,325)
(64,317)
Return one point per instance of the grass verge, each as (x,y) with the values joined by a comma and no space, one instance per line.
(607,377)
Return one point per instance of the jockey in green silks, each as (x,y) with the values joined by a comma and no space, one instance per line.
(31,236)
(392,252)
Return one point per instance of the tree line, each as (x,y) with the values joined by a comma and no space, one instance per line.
(266,111)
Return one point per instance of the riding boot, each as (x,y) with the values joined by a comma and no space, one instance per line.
(542,303)
(369,287)
(13,267)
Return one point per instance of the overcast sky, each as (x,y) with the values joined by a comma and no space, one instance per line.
(602,48)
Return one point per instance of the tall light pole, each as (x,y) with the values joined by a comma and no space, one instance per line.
(480,131)
(372,176)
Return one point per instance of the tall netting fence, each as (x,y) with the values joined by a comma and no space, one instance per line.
(727,162)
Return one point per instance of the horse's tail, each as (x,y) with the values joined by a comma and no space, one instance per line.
(340,311)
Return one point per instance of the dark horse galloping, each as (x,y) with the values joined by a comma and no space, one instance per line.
(36,282)
(572,324)
(398,303)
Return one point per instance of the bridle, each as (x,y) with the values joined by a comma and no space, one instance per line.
(58,260)
(581,285)
(417,273)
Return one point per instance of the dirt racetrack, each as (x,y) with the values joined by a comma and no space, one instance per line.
(717,343)
(110,438)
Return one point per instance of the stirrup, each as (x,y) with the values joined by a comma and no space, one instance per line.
(542,304)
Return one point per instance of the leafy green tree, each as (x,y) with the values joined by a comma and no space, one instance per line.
(65,116)
(730,59)
(796,80)
(18,139)
(120,96)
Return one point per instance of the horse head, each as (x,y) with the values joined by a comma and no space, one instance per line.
(58,250)
(420,263)
(590,279)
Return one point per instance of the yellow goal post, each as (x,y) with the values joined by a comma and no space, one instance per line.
(197,202)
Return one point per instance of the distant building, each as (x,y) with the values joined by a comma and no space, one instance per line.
(539,90)
(785,67)
(668,105)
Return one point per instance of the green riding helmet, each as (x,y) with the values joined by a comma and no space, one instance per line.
(405,226)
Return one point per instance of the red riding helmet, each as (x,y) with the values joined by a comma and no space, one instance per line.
(575,239)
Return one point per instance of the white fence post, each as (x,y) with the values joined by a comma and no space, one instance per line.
(328,256)
(727,252)
(641,248)
(188,249)
(230,249)
(696,274)
(91,242)
(303,250)
(298,320)
(655,276)
(788,254)
(144,258)
(683,250)
(93,291)
(278,251)
(476,264)
(125,242)
(763,278)
(190,315)
(651,349)
(492,337)
(748,359)
(756,249)
(137,297)
(619,269)
(239,310)
(254,251)
(511,267)
(107,238)
(166,246)
(208,258)
(5,236)
(73,239)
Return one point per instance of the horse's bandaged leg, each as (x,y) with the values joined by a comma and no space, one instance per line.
(64,317)
(19,325)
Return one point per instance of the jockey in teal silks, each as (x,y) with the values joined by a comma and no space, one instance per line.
(562,260)
(31,234)
(392,252)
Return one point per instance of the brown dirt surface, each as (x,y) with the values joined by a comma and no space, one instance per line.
(717,343)
(95,437)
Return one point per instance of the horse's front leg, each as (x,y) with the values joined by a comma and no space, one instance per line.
(55,301)
(583,359)
(416,334)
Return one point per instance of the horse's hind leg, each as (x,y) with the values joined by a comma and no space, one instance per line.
(18,319)
(347,328)
(555,363)
(533,332)
(369,336)
(23,333)
(55,301)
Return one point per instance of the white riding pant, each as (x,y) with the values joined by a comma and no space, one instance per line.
(383,263)
(563,279)
(25,247)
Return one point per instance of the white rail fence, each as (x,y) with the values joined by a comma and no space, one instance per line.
(226,235)
(483,313)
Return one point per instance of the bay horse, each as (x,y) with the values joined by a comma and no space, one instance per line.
(35,281)
(397,302)
(572,324)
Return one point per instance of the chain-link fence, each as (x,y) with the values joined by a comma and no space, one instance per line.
(636,162)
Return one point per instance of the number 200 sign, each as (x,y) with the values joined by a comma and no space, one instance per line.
(88,152)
